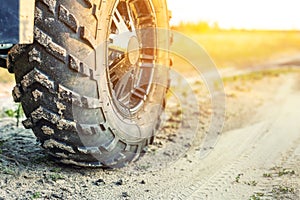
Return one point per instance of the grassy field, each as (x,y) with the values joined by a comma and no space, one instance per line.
(6,77)
(245,48)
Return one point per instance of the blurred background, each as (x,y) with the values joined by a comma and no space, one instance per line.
(241,33)
(235,33)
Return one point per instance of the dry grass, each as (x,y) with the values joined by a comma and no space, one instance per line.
(259,75)
(245,48)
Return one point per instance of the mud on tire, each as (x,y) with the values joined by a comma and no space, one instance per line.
(67,87)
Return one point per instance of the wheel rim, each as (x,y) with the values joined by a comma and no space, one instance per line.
(131,54)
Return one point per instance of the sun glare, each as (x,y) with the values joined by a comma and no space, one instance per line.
(254,14)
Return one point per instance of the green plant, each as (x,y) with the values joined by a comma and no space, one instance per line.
(56,170)
(6,170)
(54,177)
(238,177)
(36,195)
(286,172)
(256,196)
(282,190)
(144,167)
(251,183)
(15,113)
(1,144)
(267,175)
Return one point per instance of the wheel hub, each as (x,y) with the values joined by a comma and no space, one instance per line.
(133,50)
(130,67)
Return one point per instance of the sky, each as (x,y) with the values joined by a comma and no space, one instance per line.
(248,14)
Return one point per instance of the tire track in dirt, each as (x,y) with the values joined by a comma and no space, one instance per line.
(254,151)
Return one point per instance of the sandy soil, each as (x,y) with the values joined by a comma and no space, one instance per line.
(257,155)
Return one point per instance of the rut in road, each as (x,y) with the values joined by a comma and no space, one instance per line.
(250,150)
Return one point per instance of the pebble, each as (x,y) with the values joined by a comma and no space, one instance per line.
(99,182)
(125,194)
(119,182)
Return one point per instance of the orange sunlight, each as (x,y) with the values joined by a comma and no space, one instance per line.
(254,14)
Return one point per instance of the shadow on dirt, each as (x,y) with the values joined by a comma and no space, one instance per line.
(19,152)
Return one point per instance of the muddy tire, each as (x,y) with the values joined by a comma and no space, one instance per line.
(89,100)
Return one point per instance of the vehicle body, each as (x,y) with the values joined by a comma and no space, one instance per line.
(16,25)
(91,75)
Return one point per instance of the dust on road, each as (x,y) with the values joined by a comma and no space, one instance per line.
(257,156)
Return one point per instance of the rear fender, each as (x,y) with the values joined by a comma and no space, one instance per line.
(16,21)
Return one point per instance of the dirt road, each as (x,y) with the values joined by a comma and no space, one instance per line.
(257,155)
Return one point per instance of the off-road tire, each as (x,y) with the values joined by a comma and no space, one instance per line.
(63,85)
